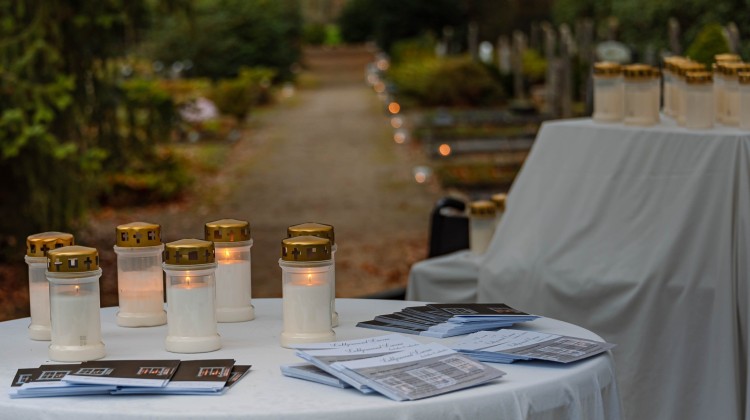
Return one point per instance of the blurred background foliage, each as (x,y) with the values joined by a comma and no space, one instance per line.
(97,95)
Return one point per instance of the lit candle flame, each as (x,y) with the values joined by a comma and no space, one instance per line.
(187,279)
(226,253)
(78,289)
(309,279)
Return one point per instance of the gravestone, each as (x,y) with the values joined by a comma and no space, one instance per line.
(519,47)
(504,55)
(485,52)
(733,36)
(567,50)
(551,80)
(674,36)
(474,40)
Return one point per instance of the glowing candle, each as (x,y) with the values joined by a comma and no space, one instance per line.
(482,223)
(306,267)
(36,257)
(139,275)
(191,293)
(73,273)
(233,276)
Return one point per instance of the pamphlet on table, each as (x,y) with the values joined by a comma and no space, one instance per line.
(507,346)
(393,365)
(442,320)
(196,377)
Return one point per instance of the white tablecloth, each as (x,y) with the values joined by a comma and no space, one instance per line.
(530,390)
(640,235)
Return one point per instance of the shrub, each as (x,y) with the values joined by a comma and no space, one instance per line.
(237,96)
(709,42)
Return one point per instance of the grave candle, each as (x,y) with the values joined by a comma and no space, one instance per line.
(608,92)
(37,246)
(699,100)
(73,273)
(191,294)
(481,225)
(499,200)
(233,276)
(139,275)
(641,95)
(743,79)
(323,231)
(306,268)
(731,71)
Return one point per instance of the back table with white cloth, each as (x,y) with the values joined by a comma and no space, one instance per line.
(640,235)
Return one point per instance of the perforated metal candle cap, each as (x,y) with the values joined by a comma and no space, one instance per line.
(732,69)
(744,77)
(312,229)
(189,252)
(39,244)
(607,69)
(482,208)
(305,248)
(639,71)
(727,57)
(698,77)
(227,230)
(72,259)
(138,234)
(499,200)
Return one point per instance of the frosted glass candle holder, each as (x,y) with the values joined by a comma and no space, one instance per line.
(140,281)
(641,95)
(190,269)
(233,276)
(306,273)
(744,84)
(482,222)
(321,230)
(73,273)
(608,92)
(37,246)
(699,100)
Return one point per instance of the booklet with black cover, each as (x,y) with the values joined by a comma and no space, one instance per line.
(46,381)
(192,375)
(310,372)
(146,373)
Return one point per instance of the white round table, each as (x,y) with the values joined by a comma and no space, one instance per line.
(530,390)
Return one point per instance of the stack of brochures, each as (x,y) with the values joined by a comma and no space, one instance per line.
(191,377)
(442,320)
(395,366)
(507,346)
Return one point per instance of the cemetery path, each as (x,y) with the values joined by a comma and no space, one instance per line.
(324,154)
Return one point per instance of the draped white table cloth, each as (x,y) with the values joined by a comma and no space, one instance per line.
(640,235)
(530,390)
(447,278)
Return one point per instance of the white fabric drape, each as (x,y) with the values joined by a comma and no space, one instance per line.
(640,235)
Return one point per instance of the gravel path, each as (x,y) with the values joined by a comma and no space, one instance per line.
(323,155)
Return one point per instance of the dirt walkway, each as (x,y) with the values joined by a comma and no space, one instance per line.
(324,155)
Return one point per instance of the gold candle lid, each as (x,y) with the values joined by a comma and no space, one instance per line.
(72,259)
(689,66)
(698,77)
(639,71)
(312,229)
(39,244)
(727,57)
(189,252)
(138,234)
(227,230)
(305,248)
(482,208)
(732,69)
(744,77)
(607,69)
(499,200)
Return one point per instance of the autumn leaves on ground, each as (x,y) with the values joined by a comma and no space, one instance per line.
(321,153)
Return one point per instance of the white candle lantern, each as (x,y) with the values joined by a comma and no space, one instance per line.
(641,95)
(37,247)
(140,283)
(499,200)
(191,296)
(321,230)
(699,100)
(306,272)
(481,225)
(731,115)
(73,273)
(608,92)
(743,79)
(233,276)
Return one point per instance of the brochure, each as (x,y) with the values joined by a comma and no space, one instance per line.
(310,372)
(507,346)
(146,373)
(419,372)
(46,381)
